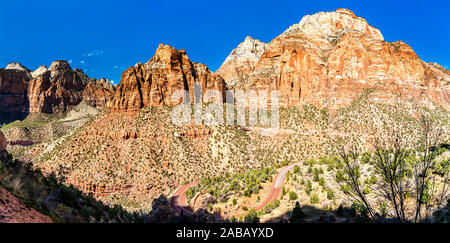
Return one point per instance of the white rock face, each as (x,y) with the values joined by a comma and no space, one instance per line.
(241,61)
(329,24)
(250,49)
(16,66)
(39,71)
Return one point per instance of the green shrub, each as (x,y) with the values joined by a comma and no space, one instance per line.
(330,194)
(308,187)
(293,196)
(322,182)
(251,216)
(314,198)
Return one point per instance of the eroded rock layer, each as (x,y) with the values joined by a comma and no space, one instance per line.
(328,59)
(52,90)
(154,82)
(59,88)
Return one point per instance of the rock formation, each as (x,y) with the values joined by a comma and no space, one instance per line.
(153,83)
(60,87)
(39,71)
(51,90)
(328,59)
(13,90)
(241,62)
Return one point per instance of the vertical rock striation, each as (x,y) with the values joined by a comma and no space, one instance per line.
(329,58)
(154,82)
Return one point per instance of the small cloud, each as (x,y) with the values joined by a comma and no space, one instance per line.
(116,67)
(82,62)
(94,53)
(70,61)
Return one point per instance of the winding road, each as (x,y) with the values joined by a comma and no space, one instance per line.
(178,200)
(179,204)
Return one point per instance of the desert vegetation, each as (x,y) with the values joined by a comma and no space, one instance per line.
(131,158)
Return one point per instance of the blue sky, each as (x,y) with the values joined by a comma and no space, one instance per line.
(106,37)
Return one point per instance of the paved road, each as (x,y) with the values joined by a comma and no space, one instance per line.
(277,187)
(178,200)
(179,204)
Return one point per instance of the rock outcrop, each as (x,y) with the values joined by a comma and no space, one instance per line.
(60,87)
(12,210)
(17,66)
(51,90)
(39,71)
(328,59)
(241,62)
(13,90)
(154,82)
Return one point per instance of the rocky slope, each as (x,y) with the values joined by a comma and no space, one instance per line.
(154,82)
(11,209)
(14,211)
(328,59)
(241,62)
(52,90)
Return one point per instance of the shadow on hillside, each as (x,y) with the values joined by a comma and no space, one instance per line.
(8,117)
(61,202)
(185,214)
(65,203)
(310,214)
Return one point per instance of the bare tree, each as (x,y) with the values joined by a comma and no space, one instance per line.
(423,169)
(354,186)
(392,168)
(403,172)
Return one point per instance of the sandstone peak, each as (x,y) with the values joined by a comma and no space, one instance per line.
(16,66)
(346,11)
(329,58)
(59,88)
(39,71)
(249,49)
(59,65)
(241,61)
(328,24)
(166,52)
(153,83)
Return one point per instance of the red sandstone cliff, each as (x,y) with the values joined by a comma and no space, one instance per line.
(59,88)
(52,90)
(13,89)
(154,82)
(328,59)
